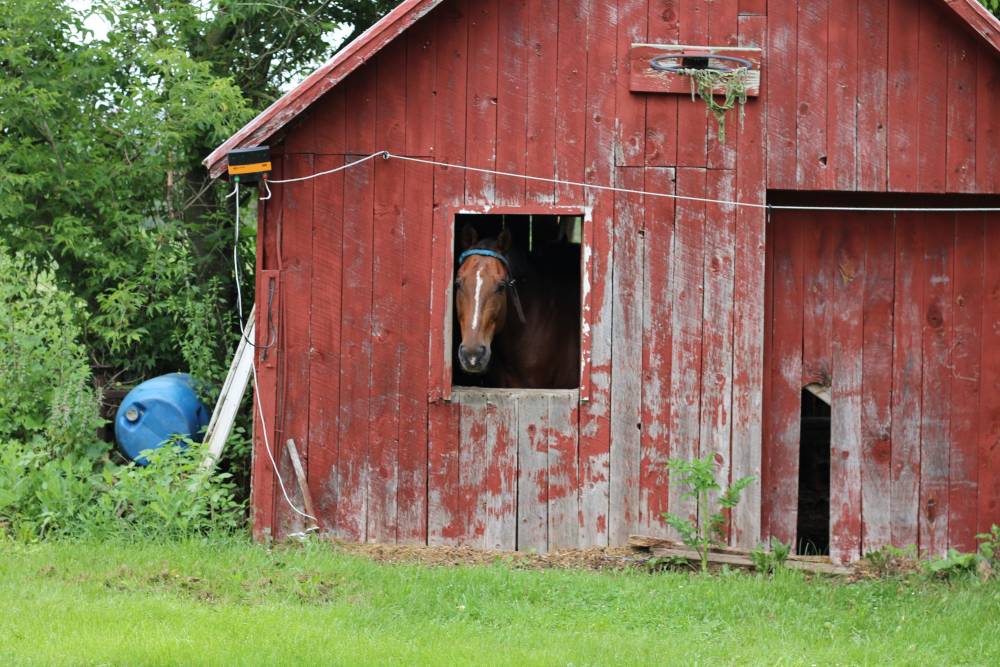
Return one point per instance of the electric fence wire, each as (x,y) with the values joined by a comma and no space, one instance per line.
(253,366)
(386,155)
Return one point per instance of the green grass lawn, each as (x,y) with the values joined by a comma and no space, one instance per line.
(232,603)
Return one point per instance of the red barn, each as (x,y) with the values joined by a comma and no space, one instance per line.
(850,359)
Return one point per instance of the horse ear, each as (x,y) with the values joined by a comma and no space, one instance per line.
(469,236)
(504,240)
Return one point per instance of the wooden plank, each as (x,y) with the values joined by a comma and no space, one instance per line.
(657,306)
(749,306)
(876,400)
(904,121)
(473,457)
(987,122)
(563,471)
(842,94)
(324,363)
(412,490)
(744,561)
(781,476)
(692,117)
(571,99)
(220,426)
(421,92)
(262,482)
(512,100)
(932,100)
(481,101)
(988,481)
(387,301)
(723,29)
(935,440)
(331,115)
(688,283)
(533,474)
(595,427)
(626,357)
(769,379)
(782,69)
(717,330)
(297,265)
(300,477)
(661,110)
(907,343)
(872,111)
(445,524)
(542,75)
(819,245)
(812,50)
(500,486)
(356,321)
(963,65)
(967,309)
(414,468)
(845,410)
(449,187)
(630,109)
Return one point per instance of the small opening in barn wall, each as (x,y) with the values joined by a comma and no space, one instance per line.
(516,319)
(813,529)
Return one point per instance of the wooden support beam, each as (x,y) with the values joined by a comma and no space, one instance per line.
(220,426)
(661,548)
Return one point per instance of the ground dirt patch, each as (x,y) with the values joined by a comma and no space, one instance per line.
(619,558)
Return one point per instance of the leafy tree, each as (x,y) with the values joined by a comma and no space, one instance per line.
(992,5)
(100,149)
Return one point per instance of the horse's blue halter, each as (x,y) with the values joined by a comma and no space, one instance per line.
(510,283)
(483,252)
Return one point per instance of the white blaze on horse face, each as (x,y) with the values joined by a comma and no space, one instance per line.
(479,290)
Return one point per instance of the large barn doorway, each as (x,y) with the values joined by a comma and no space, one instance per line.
(896,316)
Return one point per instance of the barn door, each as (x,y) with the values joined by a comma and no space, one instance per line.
(893,321)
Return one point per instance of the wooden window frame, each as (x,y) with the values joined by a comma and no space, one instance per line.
(440,377)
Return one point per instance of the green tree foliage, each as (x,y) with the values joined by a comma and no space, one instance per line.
(100,149)
(992,5)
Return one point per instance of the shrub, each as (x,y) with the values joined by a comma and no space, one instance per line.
(708,529)
(47,397)
(770,559)
(56,478)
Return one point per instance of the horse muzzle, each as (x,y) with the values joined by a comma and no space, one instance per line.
(474,359)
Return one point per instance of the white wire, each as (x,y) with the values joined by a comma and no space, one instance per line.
(333,171)
(723,202)
(253,366)
(267,446)
(608,188)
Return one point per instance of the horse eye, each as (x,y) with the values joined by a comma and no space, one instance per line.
(458,284)
(503,286)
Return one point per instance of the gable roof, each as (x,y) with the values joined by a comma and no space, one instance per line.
(395,23)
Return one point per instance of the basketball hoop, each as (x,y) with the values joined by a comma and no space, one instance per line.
(711,75)
(681,63)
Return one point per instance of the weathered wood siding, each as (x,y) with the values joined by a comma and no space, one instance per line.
(880,96)
(673,354)
(897,313)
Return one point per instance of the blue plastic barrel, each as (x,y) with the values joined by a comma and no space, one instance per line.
(157,410)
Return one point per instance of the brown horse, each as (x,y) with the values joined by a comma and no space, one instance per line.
(519,322)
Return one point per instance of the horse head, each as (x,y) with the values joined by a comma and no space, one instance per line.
(483,286)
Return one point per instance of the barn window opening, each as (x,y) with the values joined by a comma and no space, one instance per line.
(516,316)
(813,526)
